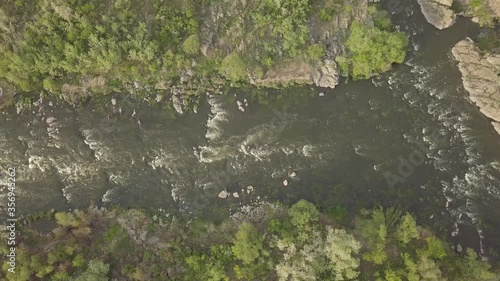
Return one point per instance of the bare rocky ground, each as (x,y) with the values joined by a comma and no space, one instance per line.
(480,72)
(438,12)
(328,33)
(481,78)
(442,13)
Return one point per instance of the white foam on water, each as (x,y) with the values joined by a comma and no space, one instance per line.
(209,154)
(458,130)
(93,139)
(218,117)
(106,197)
(162,159)
(39,162)
(118,178)
(308,150)
(66,194)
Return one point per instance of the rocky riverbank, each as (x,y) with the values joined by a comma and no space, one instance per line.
(438,12)
(158,54)
(481,78)
(443,13)
(266,242)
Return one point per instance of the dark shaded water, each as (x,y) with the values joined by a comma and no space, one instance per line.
(345,148)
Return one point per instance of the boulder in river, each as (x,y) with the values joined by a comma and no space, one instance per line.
(223,194)
(438,12)
(480,77)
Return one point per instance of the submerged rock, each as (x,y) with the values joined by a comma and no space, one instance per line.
(240,106)
(249,189)
(480,77)
(438,12)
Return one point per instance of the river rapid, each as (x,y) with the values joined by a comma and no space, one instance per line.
(409,138)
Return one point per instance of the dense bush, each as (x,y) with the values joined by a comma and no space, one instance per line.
(192,45)
(296,243)
(489,41)
(63,41)
(79,48)
(233,67)
(480,9)
(371,51)
(248,243)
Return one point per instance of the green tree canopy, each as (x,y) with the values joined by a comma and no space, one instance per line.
(371,51)
(192,44)
(407,230)
(248,243)
(303,213)
(96,271)
(233,68)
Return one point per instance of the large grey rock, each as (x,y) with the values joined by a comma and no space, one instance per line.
(480,77)
(177,101)
(327,75)
(438,12)
(323,74)
(286,73)
(494,7)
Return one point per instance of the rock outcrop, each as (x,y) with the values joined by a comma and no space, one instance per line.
(327,75)
(438,12)
(481,78)
(288,72)
(494,6)
(324,74)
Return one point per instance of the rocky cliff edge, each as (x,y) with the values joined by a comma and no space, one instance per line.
(481,78)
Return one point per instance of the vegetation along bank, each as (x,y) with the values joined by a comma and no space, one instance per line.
(77,49)
(267,242)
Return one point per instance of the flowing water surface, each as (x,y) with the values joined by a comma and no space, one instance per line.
(409,138)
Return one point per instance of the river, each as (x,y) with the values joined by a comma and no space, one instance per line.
(409,138)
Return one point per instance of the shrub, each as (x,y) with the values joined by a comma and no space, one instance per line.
(247,243)
(315,52)
(341,250)
(191,45)
(233,68)
(407,230)
(372,50)
(325,14)
(303,213)
(380,17)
